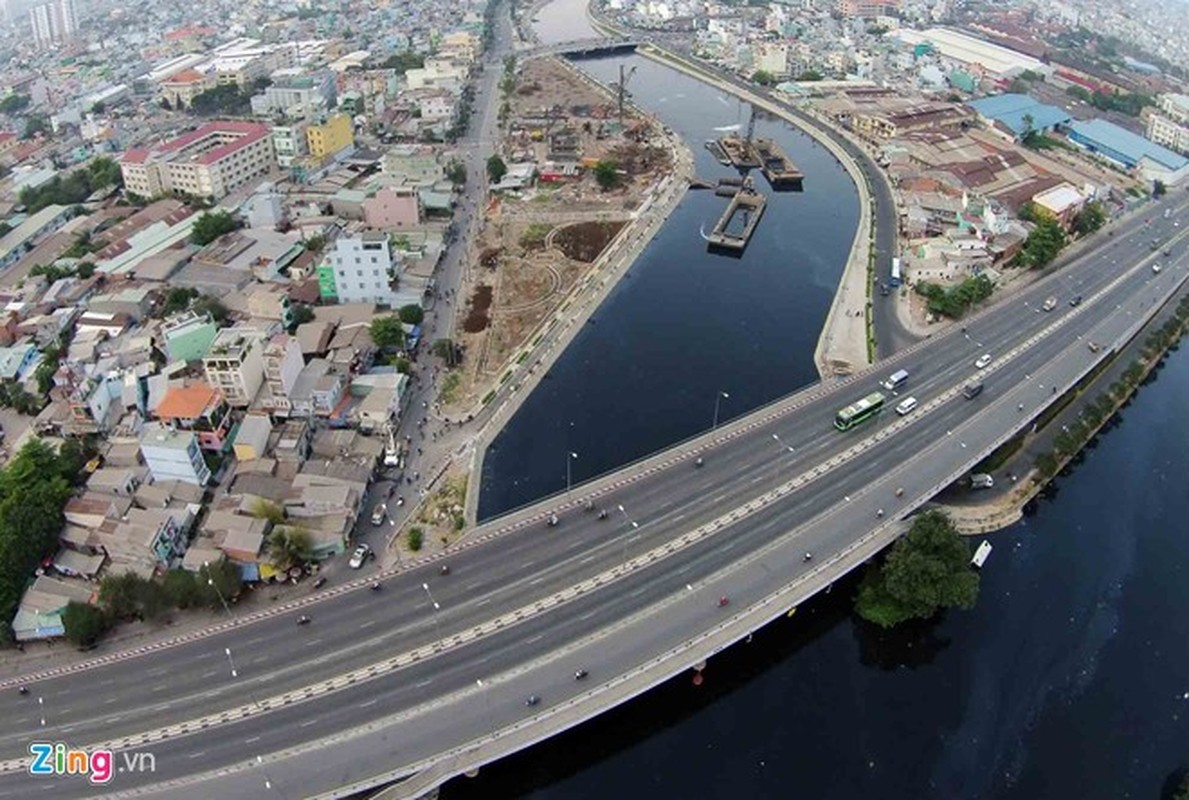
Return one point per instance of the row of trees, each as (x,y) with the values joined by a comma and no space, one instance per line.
(128,598)
(75,187)
(388,333)
(955,301)
(1043,243)
(34,488)
(926,571)
(1074,436)
(1131,104)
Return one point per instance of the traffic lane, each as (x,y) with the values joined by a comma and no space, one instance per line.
(875,470)
(534,544)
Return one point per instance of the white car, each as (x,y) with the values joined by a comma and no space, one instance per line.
(379,513)
(983,361)
(1156,268)
(361,555)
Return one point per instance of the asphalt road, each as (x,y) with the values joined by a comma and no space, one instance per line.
(357,629)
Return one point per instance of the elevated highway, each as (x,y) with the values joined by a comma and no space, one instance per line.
(429,677)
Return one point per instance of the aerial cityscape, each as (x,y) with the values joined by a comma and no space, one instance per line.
(500,399)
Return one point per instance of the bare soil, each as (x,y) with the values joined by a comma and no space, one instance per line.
(584,241)
(478,317)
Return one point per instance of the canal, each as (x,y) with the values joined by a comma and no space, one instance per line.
(1069,678)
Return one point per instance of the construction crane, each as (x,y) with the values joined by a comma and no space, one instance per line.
(622,87)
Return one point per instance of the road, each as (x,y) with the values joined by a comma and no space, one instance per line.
(525,578)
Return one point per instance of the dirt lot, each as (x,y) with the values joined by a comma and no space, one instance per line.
(538,242)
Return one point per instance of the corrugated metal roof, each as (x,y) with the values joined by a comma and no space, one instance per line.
(1010,110)
(1107,135)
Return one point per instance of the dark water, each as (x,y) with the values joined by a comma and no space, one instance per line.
(685,324)
(1070,679)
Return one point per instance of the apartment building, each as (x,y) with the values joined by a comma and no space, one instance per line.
(173,455)
(210,162)
(179,90)
(187,335)
(290,143)
(200,409)
(297,93)
(235,364)
(283,364)
(1169,127)
(330,136)
(53,23)
(358,270)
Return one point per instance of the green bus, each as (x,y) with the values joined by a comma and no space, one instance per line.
(859,411)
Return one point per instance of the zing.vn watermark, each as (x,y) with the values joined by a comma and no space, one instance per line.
(55,758)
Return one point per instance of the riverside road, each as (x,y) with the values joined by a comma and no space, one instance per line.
(821,497)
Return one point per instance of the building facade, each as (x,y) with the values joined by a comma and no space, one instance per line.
(331,136)
(282,366)
(210,162)
(234,364)
(53,23)
(1170,126)
(173,455)
(359,270)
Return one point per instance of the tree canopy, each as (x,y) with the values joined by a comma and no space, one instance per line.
(13,103)
(606,174)
(74,187)
(289,546)
(926,571)
(496,168)
(1089,219)
(387,333)
(1043,243)
(955,301)
(84,623)
(404,61)
(412,314)
(34,488)
(212,225)
(763,78)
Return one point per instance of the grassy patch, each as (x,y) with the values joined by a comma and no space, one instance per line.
(449,387)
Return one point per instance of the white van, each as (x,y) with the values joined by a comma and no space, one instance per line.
(906,406)
(895,379)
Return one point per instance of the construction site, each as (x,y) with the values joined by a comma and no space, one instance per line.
(580,161)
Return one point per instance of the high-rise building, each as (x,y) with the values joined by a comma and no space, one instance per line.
(53,22)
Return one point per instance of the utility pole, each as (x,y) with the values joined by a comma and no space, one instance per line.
(624,77)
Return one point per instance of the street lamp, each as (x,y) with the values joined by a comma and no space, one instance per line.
(436,626)
(634,525)
(719,396)
(779,441)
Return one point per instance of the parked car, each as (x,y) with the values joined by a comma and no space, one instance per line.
(1076,300)
(379,513)
(360,556)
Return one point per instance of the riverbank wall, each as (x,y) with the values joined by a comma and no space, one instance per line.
(842,346)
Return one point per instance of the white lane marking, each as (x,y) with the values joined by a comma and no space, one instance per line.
(199,754)
(425,682)
(527,564)
(484,601)
(587,560)
(367,624)
(535,581)
(162,687)
(253,739)
(209,673)
(313,642)
(536,638)
(371,702)
(308,723)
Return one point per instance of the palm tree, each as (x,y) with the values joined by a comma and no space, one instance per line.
(289,546)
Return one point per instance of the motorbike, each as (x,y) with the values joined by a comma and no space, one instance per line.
(303,620)
(319,583)
(603,514)
(445,569)
(376,587)
(723,601)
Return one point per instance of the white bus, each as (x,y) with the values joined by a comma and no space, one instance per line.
(896,279)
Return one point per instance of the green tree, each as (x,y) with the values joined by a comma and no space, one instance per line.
(84,623)
(446,350)
(456,172)
(416,538)
(387,333)
(404,61)
(926,571)
(1158,188)
(205,304)
(178,299)
(120,595)
(35,124)
(412,314)
(182,589)
(289,546)
(1089,219)
(606,174)
(763,78)
(316,243)
(810,75)
(210,226)
(496,168)
(219,583)
(302,314)
(1043,243)
(13,103)
(1182,792)
(268,510)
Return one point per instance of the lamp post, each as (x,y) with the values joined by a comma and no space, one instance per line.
(571,456)
(779,441)
(719,396)
(436,609)
(634,525)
